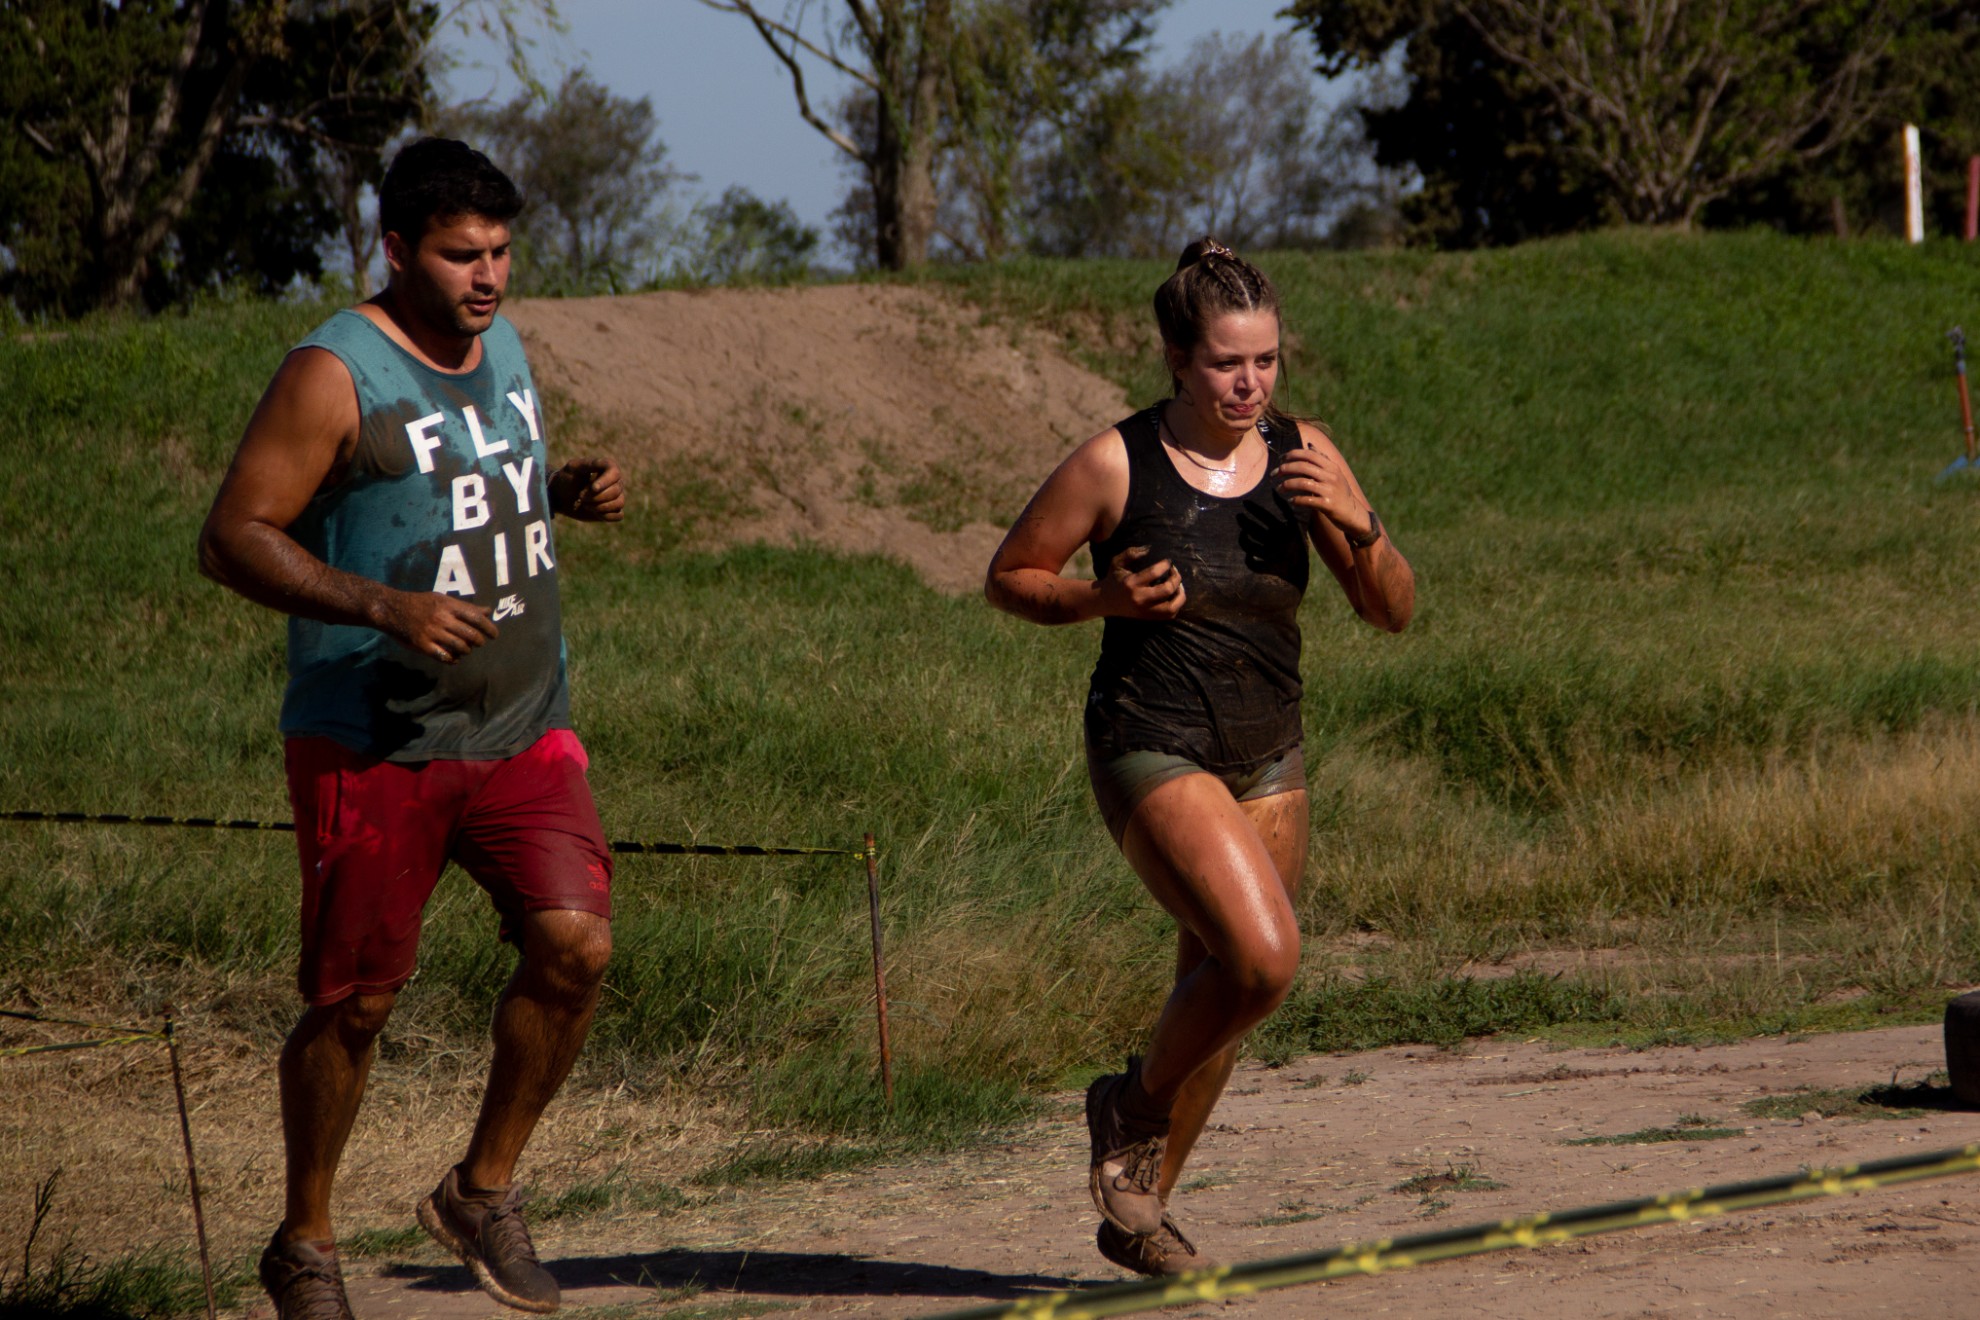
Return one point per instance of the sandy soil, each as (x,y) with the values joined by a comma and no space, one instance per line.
(1301,1158)
(864,419)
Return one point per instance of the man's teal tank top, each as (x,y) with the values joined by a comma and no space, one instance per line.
(446,492)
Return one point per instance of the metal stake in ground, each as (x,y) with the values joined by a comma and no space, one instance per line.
(879,969)
(192,1170)
(1965,462)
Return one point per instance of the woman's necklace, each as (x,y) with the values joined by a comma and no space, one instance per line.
(1175,442)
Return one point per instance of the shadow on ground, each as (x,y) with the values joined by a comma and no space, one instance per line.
(766,1273)
(1921,1097)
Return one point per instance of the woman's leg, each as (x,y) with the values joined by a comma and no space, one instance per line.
(1280,821)
(1206,861)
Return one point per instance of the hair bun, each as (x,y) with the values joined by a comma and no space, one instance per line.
(1202,248)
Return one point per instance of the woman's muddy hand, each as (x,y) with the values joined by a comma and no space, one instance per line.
(1316,481)
(1134,592)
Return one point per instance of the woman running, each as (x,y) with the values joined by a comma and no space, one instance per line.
(1198,511)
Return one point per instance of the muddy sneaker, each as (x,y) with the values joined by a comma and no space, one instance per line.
(486,1230)
(1159,1255)
(1127,1154)
(303,1281)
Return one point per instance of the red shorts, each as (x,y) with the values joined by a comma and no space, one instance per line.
(375,836)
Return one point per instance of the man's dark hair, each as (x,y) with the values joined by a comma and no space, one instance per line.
(444,178)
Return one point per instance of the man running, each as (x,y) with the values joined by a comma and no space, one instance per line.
(391,496)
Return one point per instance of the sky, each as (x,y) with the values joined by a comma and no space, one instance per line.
(724,102)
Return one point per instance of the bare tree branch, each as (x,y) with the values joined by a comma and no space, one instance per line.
(770,30)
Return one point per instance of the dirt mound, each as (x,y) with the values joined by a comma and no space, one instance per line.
(859,418)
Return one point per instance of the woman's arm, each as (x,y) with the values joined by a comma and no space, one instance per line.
(1081,501)
(1376,579)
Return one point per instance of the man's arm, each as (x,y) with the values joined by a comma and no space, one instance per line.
(305,426)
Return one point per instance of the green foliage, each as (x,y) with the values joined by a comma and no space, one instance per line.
(594,179)
(1527,119)
(67,1284)
(743,239)
(1884,1100)
(1050,135)
(614,1192)
(1454,1178)
(1479,142)
(375,1242)
(1332,1014)
(160,148)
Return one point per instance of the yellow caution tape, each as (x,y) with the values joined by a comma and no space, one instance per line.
(1544,1229)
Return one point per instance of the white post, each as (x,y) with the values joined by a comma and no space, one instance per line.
(1914,187)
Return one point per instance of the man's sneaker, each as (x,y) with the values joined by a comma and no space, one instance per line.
(1160,1255)
(486,1230)
(1127,1155)
(303,1281)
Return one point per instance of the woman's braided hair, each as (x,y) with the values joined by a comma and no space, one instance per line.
(1211,281)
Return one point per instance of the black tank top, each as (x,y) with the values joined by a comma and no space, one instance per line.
(1219,683)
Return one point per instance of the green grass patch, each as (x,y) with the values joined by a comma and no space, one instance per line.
(1456,1178)
(1888,1100)
(614,1192)
(788,1161)
(147,1285)
(372,1242)
(65,1283)
(1688,1127)
(1295,1212)
(1338,1014)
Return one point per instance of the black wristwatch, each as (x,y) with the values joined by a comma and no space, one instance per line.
(1374,533)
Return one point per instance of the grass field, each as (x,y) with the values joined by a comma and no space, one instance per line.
(1681,743)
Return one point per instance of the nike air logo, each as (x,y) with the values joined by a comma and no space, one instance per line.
(507,607)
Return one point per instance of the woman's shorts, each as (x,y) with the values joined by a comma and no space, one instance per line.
(1121,782)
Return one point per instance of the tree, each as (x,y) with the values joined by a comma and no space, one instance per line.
(355,75)
(594,179)
(1531,117)
(149,145)
(743,239)
(1264,166)
(1675,103)
(131,101)
(1042,86)
(900,52)
(1229,141)
(1934,66)
(1480,144)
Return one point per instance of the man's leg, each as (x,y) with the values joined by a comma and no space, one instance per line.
(322,1070)
(540,1024)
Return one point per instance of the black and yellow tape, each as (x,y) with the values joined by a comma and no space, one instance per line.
(119,1035)
(628,846)
(1540,1230)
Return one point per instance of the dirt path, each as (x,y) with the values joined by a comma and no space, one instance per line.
(1310,1155)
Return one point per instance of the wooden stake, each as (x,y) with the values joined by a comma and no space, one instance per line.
(192,1170)
(879,969)
(1914,187)
(1972,196)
